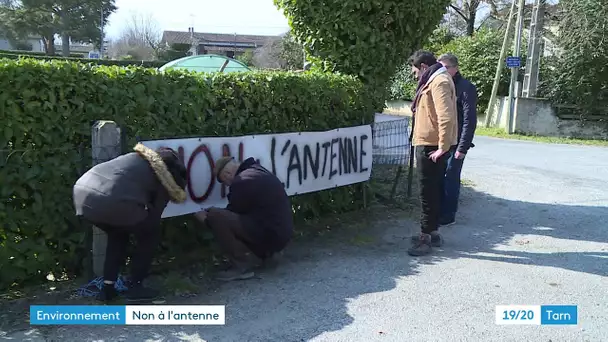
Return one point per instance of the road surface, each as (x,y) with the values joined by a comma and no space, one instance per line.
(533,230)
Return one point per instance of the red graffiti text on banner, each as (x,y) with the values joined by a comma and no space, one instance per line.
(210,160)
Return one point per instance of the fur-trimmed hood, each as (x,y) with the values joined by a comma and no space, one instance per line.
(177,194)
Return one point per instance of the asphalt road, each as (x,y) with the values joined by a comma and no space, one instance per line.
(533,230)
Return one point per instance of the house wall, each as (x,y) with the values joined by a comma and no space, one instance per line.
(77,49)
(538,117)
(398,108)
(5,45)
(37,45)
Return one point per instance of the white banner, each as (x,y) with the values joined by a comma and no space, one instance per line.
(304,162)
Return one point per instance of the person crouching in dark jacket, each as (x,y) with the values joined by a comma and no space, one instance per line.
(127,196)
(258,221)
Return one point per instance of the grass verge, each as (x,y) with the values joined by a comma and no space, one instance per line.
(501,133)
(393,192)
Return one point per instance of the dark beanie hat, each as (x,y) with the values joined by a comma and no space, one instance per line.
(174,165)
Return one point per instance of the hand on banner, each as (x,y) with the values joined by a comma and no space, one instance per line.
(210,209)
(201,215)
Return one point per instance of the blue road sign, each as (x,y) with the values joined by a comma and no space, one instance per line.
(513,62)
(93,55)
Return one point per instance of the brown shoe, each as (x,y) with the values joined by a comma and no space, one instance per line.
(422,246)
(436,239)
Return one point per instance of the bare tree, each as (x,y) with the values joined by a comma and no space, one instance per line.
(268,56)
(139,39)
(466,11)
(8,3)
(280,53)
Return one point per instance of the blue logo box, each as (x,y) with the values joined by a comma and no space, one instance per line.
(77,315)
(558,315)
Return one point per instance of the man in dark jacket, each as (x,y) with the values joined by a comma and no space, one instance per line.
(127,196)
(258,220)
(466,101)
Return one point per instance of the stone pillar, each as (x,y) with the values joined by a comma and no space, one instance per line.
(107,145)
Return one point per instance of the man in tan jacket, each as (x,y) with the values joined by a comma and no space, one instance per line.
(435,131)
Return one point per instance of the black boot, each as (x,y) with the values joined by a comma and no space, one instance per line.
(107,293)
(137,292)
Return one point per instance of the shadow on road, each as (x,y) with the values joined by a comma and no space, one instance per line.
(306,295)
(550,235)
(310,292)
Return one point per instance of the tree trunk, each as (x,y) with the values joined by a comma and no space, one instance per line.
(65,37)
(471,24)
(65,45)
(49,45)
(472,9)
(44,45)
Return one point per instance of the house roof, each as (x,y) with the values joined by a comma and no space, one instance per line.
(181,37)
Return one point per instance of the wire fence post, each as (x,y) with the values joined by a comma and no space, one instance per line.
(365,184)
(396,182)
(106,145)
(391,151)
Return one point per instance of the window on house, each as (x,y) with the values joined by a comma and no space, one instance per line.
(230,54)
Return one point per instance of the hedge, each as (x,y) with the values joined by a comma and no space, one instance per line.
(36,53)
(108,62)
(50,105)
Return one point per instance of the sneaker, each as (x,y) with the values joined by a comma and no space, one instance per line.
(107,293)
(139,293)
(446,223)
(436,240)
(252,263)
(422,246)
(235,274)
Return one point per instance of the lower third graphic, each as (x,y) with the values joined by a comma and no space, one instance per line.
(536,315)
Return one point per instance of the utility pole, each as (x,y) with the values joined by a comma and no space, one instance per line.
(102,37)
(501,62)
(194,49)
(515,71)
(534,49)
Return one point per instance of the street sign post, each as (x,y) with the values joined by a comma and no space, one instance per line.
(513,62)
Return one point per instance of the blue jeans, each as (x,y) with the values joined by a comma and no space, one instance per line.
(451,188)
